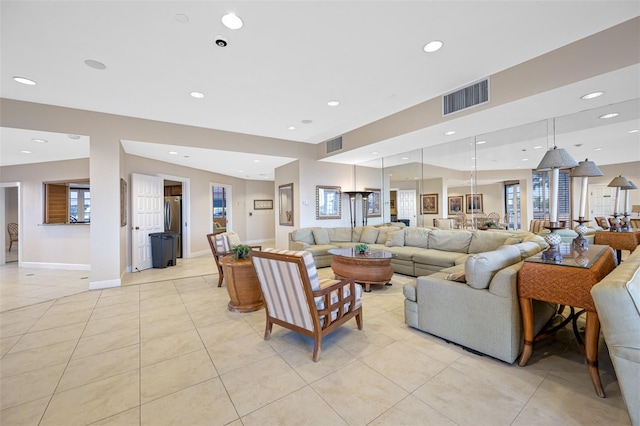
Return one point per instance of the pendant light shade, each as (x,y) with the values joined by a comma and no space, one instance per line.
(556,158)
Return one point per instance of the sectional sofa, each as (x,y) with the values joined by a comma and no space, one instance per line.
(466,290)
(617,299)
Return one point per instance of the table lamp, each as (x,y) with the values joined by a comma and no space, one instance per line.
(617,183)
(554,160)
(626,220)
(584,170)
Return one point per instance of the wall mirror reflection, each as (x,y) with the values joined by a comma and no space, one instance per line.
(285,199)
(328,205)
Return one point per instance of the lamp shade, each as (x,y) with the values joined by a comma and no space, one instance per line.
(586,168)
(556,158)
(619,182)
(630,186)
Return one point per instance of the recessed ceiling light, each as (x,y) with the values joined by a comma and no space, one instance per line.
(592,95)
(26,152)
(525,159)
(481,142)
(450,132)
(610,115)
(374,152)
(405,158)
(182,18)
(333,103)
(598,148)
(240,171)
(38,140)
(74,136)
(291,128)
(197,95)
(232,21)
(432,46)
(97,65)
(256,161)
(633,131)
(307,121)
(24,80)
(537,147)
(473,158)
(173,153)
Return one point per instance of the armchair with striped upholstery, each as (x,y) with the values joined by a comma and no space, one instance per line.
(221,244)
(297,299)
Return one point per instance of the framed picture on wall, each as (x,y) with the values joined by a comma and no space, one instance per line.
(429,203)
(328,202)
(262,204)
(123,202)
(373,202)
(455,204)
(474,203)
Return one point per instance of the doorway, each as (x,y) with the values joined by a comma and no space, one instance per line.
(9,213)
(173,211)
(512,204)
(406,206)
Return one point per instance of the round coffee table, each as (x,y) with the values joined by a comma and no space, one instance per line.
(370,267)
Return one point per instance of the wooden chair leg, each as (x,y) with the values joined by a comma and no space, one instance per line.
(220,276)
(317,348)
(359,320)
(267,329)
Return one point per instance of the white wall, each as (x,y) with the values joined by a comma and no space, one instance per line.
(260,223)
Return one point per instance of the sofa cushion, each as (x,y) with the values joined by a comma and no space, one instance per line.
(395,239)
(439,258)
(480,268)
(402,253)
(383,231)
(527,249)
(321,236)
(536,239)
(416,237)
(456,276)
(356,233)
(369,235)
(341,234)
(455,241)
(482,241)
(513,239)
(305,235)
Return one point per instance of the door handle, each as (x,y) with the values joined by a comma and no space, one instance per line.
(137,228)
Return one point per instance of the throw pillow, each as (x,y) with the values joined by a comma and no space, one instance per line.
(457,276)
(369,235)
(233,238)
(395,239)
(383,231)
(321,236)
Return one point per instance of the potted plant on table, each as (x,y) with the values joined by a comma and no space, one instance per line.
(361,248)
(490,225)
(241,251)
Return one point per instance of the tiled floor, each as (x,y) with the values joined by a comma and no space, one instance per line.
(164,349)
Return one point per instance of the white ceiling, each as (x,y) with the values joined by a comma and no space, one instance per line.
(288,60)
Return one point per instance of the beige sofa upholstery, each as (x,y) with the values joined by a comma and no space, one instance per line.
(417,251)
(617,300)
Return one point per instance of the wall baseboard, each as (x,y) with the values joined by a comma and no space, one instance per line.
(100,285)
(65,266)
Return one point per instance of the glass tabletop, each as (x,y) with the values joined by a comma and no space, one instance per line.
(572,256)
(369,254)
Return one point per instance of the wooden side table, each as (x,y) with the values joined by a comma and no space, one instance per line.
(242,285)
(566,283)
(627,240)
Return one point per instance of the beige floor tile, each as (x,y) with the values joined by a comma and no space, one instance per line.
(74,303)
(221,332)
(358,393)
(468,400)
(6,343)
(234,354)
(33,359)
(331,360)
(561,400)
(115,310)
(173,375)
(94,401)
(55,320)
(275,378)
(28,413)
(126,418)
(165,327)
(110,323)
(173,345)
(108,341)
(435,347)
(29,386)
(359,343)
(13,324)
(411,411)
(108,300)
(49,337)
(160,301)
(202,404)
(149,315)
(404,365)
(302,407)
(100,366)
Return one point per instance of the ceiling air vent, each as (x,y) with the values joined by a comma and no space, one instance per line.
(334,145)
(475,94)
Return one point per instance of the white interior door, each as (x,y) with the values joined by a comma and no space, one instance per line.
(147,196)
(601,201)
(406,201)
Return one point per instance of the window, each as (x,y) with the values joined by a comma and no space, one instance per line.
(541,196)
(67,202)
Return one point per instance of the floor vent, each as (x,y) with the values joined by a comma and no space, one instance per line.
(475,94)
(334,145)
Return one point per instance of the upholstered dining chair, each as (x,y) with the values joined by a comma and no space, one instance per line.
(297,299)
(602,222)
(221,244)
(461,220)
(12,229)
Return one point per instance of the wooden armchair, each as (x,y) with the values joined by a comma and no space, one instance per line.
(297,299)
(602,222)
(221,244)
(12,229)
